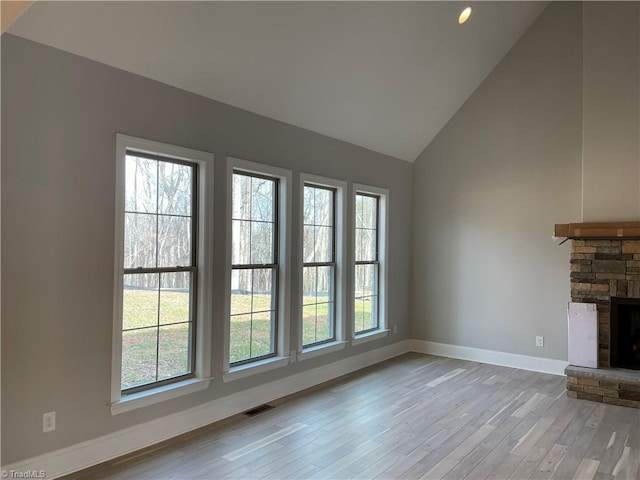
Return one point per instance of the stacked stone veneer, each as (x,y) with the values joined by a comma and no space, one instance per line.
(603,387)
(601,269)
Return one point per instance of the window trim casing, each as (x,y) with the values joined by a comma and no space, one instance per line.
(282,342)
(383,270)
(340,236)
(202,375)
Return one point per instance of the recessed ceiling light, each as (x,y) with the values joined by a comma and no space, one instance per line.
(464,15)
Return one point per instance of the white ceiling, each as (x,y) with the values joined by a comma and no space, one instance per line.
(383,75)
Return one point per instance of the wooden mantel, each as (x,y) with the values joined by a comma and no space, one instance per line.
(598,230)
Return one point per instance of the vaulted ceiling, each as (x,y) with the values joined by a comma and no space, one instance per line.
(383,75)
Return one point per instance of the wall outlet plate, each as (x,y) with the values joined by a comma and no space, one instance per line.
(539,341)
(48,422)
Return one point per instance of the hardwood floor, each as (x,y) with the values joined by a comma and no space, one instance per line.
(416,416)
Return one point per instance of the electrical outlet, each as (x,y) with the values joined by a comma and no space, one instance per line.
(539,341)
(49,422)
(395,329)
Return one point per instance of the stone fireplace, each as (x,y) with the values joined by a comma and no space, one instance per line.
(606,272)
(602,270)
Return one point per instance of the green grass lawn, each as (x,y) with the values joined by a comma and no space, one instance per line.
(170,343)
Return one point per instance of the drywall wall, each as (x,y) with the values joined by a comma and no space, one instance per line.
(60,114)
(611,156)
(487,192)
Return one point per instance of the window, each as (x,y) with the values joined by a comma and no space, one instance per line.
(322,248)
(367,262)
(158,312)
(258,293)
(370,262)
(158,308)
(319,265)
(254,269)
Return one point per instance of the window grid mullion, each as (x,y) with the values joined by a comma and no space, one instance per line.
(253,273)
(156,214)
(251,232)
(158,325)
(319,264)
(154,326)
(157,263)
(251,266)
(316,319)
(141,270)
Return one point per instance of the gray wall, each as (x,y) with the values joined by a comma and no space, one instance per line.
(60,114)
(487,193)
(611,52)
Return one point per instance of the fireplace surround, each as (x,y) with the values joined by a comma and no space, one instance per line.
(605,271)
(602,272)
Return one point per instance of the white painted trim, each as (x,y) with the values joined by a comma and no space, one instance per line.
(91,452)
(284,268)
(322,349)
(340,223)
(513,360)
(369,336)
(118,269)
(253,368)
(162,149)
(204,162)
(160,394)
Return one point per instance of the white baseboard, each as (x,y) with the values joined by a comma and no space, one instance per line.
(514,360)
(91,452)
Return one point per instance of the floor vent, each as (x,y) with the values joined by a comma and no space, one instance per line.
(256,411)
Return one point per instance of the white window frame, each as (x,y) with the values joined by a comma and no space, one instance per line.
(281,357)
(383,273)
(202,378)
(340,281)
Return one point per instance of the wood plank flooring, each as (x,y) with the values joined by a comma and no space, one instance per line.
(416,416)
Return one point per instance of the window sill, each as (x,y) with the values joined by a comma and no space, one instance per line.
(318,350)
(160,394)
(254,368)
(369,336)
